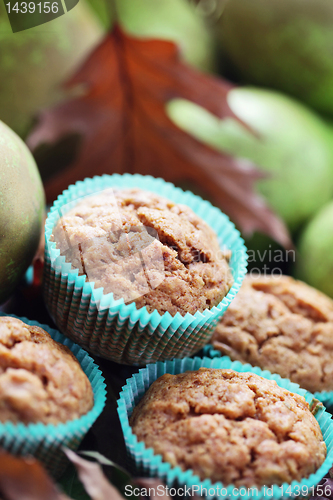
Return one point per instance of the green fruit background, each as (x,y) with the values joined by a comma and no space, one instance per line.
(315,258)
(35,62)
(282,44)
(22,205)
(174,20)
(287,45)
(288,140)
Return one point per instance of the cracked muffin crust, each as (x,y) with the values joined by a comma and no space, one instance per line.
(40,379)
(233,427)
(145,249)
(282,325)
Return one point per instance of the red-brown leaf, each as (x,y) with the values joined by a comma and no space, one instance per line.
(121,117)
(98,487)
(24,478)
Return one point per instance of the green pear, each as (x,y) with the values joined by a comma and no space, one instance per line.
(290,143)
(315,255)
(282,44)
(22,205)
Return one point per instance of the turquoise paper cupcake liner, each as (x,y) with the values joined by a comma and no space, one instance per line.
(111,329)
(45,442)
(326,397)
(148,463)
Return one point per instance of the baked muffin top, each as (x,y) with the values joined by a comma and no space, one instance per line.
(233,427)
(282,325)
(40,379)
(145,249)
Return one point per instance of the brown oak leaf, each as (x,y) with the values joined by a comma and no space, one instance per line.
(120,115)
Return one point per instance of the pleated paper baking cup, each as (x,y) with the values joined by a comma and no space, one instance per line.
(326,397)
(110,328)
(151,464)
(45,442)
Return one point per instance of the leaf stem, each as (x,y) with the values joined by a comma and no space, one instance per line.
(113,12)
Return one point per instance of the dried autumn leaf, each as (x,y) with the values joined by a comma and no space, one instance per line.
(97,485)
(25,478)
(124,127)
(93,479)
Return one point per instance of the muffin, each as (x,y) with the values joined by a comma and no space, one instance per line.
(145,249)
(282,325)
(152,246)
(237,428)
(40,380)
